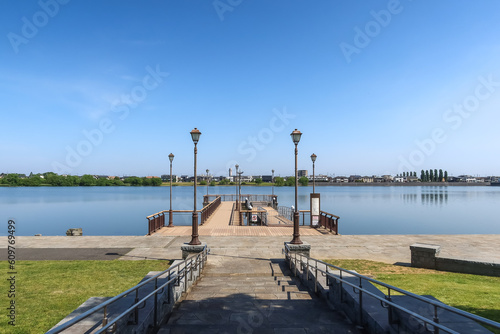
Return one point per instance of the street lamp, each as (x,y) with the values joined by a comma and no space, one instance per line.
(272,180)
(207,185)
(237,166)
(195,136)
(313,158)
(239,185)
(170,222)
(296,234)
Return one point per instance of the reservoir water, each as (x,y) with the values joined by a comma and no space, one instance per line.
(362,210)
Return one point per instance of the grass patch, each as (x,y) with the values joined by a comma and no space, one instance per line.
(47,291)
(476,294)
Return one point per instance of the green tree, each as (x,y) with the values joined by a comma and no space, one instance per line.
(445,176)
(118,182)
(436,175)
(279,181)
(304,181)
(258,181)
(202,183)
(32,181)
(440,175)
(156,182)
(427,176)
(87,180)
(422,175)
(133,181)
(290,181)
(223,182)
(212,183)
(146,182)
(102,182)
(13,180)
(431,175)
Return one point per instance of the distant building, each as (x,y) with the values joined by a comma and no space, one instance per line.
(267,178)
(166,178)
(354,178)
(302,172)
(341,179)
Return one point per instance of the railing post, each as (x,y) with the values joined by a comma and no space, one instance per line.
(360,302)
(155,311)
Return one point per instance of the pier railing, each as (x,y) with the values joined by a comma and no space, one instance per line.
(242,197)
(309,269)
(149,300)
(329,221)
(157,220)
(209,209)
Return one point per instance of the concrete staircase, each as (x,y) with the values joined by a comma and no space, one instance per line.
(267,300)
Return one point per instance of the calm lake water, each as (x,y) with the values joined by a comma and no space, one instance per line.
(363,210)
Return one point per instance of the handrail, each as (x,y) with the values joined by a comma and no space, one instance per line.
(209,209)
(436,304)
(231,219)
(202,256)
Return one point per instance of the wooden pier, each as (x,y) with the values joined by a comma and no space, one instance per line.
(224,216)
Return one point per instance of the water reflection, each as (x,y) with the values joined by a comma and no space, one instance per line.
(434,196)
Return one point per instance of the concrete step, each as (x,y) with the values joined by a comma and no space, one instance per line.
(269,302)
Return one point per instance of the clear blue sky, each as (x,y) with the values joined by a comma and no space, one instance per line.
(376,87)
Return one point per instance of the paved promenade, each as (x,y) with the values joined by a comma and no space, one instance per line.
(384,248)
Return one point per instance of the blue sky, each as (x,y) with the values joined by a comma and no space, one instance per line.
(376,87)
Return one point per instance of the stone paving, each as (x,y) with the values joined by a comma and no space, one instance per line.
(384,248)
(248,294)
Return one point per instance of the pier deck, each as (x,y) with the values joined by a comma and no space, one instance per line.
(218,225)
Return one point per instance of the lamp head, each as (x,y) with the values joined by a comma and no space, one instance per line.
(195,135)
(171,157)
(296,136)
(313,157)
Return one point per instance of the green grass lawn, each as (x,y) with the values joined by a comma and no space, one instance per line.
(47,291)
(476,294)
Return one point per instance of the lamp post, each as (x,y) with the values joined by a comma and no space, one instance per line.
(313,158)
(207,185)
(296,234)
(272,180)
(195,136)
(170,220)
(237,166)
(239,185)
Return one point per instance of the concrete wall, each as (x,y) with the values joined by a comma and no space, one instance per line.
(426,256)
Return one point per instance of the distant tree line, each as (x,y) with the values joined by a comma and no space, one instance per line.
(53,179)
(433,175)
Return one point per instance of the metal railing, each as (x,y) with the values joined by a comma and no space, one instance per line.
(209,209)
(298,260)
(329,221)
(286,212)
(231,219)
(251,198)
(175,275)
(157,220)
